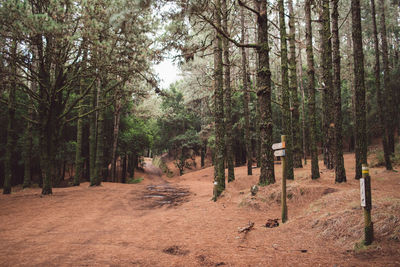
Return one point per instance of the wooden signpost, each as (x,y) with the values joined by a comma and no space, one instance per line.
(280,152)
(366,203)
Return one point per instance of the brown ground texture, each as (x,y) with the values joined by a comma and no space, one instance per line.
(173,222)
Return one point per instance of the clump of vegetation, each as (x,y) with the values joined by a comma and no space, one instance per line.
(379,159)
(135,181)
(159,163)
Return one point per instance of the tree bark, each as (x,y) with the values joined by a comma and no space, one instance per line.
(79,160)
(117,115)
(10,145)
(267,175)
(340,172)
(359,89)
(92,135)
(294,99)
(383,127)
(328,94)
(389,94)
(246,98)
(311,92)
(219,183)
(286,118)
(228,93)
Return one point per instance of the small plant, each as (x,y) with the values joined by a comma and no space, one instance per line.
(135,181)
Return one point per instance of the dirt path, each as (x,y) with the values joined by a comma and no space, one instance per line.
(173,222)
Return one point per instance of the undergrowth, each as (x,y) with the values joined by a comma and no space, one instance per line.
(159,163)
(135,181)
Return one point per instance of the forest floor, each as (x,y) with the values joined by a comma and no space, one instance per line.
(173,222)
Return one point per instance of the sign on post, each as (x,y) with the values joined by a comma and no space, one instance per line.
(279,153)
(278,146)
(362,193)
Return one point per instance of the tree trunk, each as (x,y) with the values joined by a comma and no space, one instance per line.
(10,145)
(327,95)
(340,172)
(228,101)
(383,127)
(389,103)
(267,175)
(304,97)
(359,89)
(117,113)
(99,164)
(246,98)
(79,160)
(92,135)
(286,118)
(311,92)
(296,139)
(219,183)
(124,169)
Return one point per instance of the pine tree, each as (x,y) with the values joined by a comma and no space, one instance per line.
(228,93)
(311,92)
(294,99)
(246,97)
(219,183)
(327,95)
(340,172)
(359,89)
(380,98)
(286,118)
(267,175)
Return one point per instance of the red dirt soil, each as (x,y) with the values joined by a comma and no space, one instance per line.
(173,222)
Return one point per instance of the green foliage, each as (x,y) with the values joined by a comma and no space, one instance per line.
(178,127)
(135,181)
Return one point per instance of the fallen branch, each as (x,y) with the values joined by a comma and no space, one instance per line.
(246,228)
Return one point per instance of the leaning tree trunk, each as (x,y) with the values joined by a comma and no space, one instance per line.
(389,94)
(267,175)
(297,153)
(380,99)
(359,89)
(286,119)
(340,172)
(219,183)
(246,98)
(311,92)
(228,100)
(10,145)
(327,95)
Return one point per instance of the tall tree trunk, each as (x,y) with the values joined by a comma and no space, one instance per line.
(117,114)
(79,160)
(99,163)
(359,89)
(340,172)
(219,183)
(228,93)
(389,94)
(286,118)
(267,175)
(10,145)
(294,99)
(327,95)
(93,135)
(28,132)
(304,97)
(246,98)
(311,92)
(383,127)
